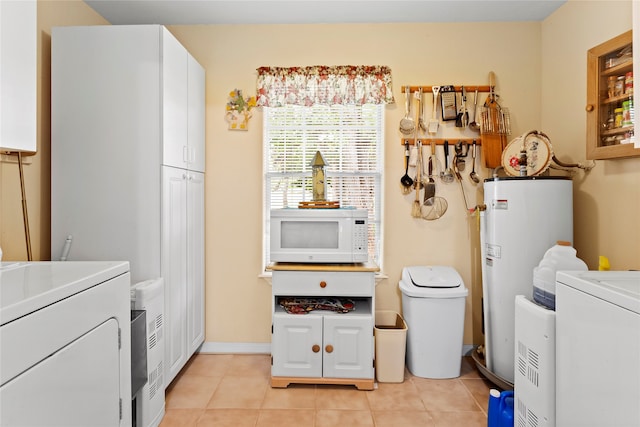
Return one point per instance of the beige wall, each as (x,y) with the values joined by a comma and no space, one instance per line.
(607,199)
(540,70)
(418,54)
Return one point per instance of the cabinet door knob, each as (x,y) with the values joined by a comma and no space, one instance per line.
(315,348)
(329,348)
(323,284)
(589,108)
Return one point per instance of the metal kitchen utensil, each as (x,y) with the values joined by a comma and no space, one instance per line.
(462,119)
(465,116)
(430,187)
(459,178)
(437,165)
(474,126)
(461,149)
(416,211)
(406,180)
(447,175)
(448,101)
(459,115)
(421,123)
(433,123)
(425,175)
(473,175)
(413,162)
(407,124)
(434,207)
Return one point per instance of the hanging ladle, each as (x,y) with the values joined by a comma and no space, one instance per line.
(407,124)
(406,180)
(474,126)
(473,175)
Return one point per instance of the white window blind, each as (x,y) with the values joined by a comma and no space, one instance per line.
(350,139)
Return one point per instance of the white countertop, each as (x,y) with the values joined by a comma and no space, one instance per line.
(29,286)
(292,266)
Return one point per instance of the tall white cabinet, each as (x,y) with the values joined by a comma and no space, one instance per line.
(127,164)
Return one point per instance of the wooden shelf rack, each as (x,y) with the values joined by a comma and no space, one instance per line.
(458,88)
(440,141)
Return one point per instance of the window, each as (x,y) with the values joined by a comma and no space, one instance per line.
(350,138)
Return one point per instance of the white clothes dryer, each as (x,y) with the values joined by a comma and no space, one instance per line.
(65,340)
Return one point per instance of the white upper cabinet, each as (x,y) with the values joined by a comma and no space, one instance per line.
(183,106)
(196,119)
(175,98)
(18,59)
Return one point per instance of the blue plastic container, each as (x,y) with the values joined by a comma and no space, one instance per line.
(500,412)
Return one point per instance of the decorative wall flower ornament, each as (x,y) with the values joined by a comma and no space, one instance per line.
(239,110)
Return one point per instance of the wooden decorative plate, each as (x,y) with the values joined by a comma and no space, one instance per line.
(539,154)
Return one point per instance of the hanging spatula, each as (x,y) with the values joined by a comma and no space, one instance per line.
(433,123)
(430,188)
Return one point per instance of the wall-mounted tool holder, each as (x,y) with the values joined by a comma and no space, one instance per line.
(469,88)
(440,141)
(448,102)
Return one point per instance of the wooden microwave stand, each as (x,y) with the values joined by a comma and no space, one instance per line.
(323,347)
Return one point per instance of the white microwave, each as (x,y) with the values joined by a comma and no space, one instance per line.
(319,235)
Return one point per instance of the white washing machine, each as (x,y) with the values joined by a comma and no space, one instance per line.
(598,348)
(65,344)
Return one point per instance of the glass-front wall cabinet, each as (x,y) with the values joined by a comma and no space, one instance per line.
(610,101)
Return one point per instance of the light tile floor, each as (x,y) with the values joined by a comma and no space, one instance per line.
(234,390)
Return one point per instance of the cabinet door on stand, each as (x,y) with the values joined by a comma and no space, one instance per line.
(174,267)
(297,345)
(195,260)
(348,347)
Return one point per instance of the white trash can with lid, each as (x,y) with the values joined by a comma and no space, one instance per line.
(433,304)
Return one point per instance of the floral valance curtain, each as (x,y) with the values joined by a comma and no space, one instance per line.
(326,85)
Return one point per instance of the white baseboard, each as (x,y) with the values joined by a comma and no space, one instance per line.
(235,347)
(265,348)
(467,349)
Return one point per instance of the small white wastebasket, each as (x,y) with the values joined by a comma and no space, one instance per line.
(433,304)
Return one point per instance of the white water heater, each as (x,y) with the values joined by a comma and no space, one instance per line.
(524,217)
